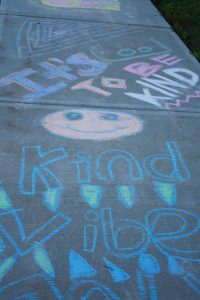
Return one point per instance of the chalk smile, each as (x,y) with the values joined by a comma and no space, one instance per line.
(88,131)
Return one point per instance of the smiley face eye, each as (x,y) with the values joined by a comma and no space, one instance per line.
(73,116)
(110,117)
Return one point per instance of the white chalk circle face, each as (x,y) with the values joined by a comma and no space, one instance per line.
(92,124)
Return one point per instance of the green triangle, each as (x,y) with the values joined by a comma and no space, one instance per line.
(166,191)
(91,194)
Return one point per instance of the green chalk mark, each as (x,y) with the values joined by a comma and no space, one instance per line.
(91,194)
(5,202)
(42,260)
(126,195)
(6,265)
(166,191)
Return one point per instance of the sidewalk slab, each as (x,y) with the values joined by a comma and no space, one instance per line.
(74,63)
(117,11)
(111,203)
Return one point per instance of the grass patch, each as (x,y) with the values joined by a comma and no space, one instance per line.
(184,17)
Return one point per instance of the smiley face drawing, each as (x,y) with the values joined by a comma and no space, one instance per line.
(91,124)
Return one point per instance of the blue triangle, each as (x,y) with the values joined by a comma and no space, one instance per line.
(118,275)
(79,267)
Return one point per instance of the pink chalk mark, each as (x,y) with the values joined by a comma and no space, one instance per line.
(143,69)
(179,102)
(167,59)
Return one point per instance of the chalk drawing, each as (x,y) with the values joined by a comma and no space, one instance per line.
(30,172)
(174,241)
(52,199)
(126,195)
(92,124)
(19,288)
(118,275)
(117,53)
(42,260)
(107,159)
(89,289)
(42,36)
(176,269)
(83,165)
(143,69)
(181,81)
(90,238)
(91,194)
(150,266)
(178,172)
(6,265)
(112,5)
(21,79)
(79,267)
(88,86)
(114,231)
(113,83)
(167,59)
(178,102)
(5,201)
(166,192)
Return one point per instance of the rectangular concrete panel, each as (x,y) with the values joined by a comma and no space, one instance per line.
(69,62)
(123,194)
(117,11)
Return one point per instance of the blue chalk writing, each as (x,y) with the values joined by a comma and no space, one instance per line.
(106,160)
(179,170)
(91,288)
(83,164)
(90,238)
(34,163)
(166,192)
(96,67)
(113,229)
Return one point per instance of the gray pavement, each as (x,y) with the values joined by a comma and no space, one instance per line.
(99,157)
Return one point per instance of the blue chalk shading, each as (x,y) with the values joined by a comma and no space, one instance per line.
(6,265)
(5,202)
(166,192)
(52,199)
(79,267)
(118,275)
(126,195)
(91,194)
(180,171)
(42,260)
(150,266)
(90,238)
(174,267)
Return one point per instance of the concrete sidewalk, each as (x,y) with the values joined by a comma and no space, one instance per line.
(99,153)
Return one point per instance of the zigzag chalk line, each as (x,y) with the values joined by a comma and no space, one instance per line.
(179,102)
